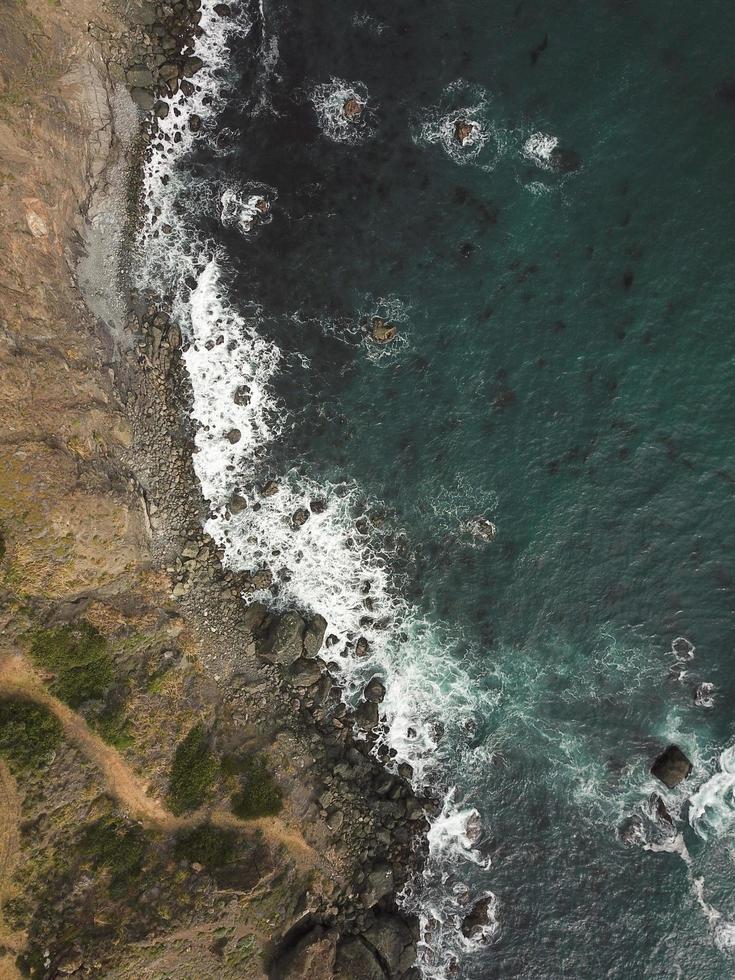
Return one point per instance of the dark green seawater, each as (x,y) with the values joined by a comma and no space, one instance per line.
(564,367)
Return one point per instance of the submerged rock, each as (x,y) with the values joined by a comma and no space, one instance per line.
(478,918)
(672,766)
(482,528)
(300,517)
(564,160)
(682,648)
(658,810)
(382,332)
(703,695)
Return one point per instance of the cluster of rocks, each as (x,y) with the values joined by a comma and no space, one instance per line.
(166,54)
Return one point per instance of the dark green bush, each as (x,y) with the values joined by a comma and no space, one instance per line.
(77,654)
(115,729)
(258,796)
(28,734)
(120,847)
(208,845)
(193,772)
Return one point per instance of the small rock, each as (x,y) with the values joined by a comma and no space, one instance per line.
(318,506)
(191,66)
(335,820)
(139,77)
(374,690)
(352,109)
(482,528)
(222,10)
(161,109)
(233,436)
(672,766)
(463,129)
(195,122)
(168,71)
(237,504)
(703,695)
(142,98)
(268,489)
(682,648)
(361,647)
(366,715)
(300,517)
(382,332)
(242,395)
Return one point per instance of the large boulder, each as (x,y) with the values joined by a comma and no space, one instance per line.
(378,884)
(672,766)
(480,917)
(356,961)
(394,942)
(312,958)
(284,641)
(314,636)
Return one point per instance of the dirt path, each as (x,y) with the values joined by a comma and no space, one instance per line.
(18,679)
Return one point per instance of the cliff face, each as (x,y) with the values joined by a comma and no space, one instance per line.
(176,799)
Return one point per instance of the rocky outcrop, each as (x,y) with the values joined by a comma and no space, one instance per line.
(672,766)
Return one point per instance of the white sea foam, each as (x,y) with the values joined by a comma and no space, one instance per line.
(712,806)
(482,146)
(329,100)
(246,208)
(539,148)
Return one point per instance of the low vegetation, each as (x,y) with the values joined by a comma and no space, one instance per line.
(209,846)
(258,795)
(117,846)
(77,655)
(193,772)
(29,735)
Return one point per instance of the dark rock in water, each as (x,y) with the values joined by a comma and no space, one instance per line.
(187,88)
(195,122)
(269,488)
(659,810)
(478,918)
(242,395)
(366,714)
(565,161)
(222,10)
(318,506)
(473,828)
(314,636)
(237,504)
(482,528)
(631,830)
(233,436)
(382,332)
(161,109)
(682,648)
(672,766)
(374,690)
(352,108)
(332,640)
(191,66)
(361,647)
(300,517)
(703,695)
(462,130)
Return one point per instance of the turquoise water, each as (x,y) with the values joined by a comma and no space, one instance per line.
(564,366)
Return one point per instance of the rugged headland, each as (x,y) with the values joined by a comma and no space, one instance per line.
(183,792)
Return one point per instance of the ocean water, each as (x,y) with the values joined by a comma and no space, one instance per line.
(563,367)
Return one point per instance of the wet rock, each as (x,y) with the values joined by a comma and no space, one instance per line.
(187,88)
(631,830)
(242,395)
(161,109)
(478,918)
(473,828)
(195,124)
(682,648)
(352,109)
(300,517)
(378,884)
(672,766)
(361,647)
(269,488)
(704,695)
(482,528)
(382,332)
(374,690)
(658,809)
(463,130)
(366,715)
(191,66)
(314,636)
(285,640)
(564,160)
(318,506)
(237,504)
(233,436)
(168,71)
(222,10)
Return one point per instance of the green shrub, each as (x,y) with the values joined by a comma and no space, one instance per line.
(193,772)
(118,846)
(77,654)
(29,734)
(208,845)
(258,796)
(115,729)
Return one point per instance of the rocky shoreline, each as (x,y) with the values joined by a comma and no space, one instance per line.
(255,678)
